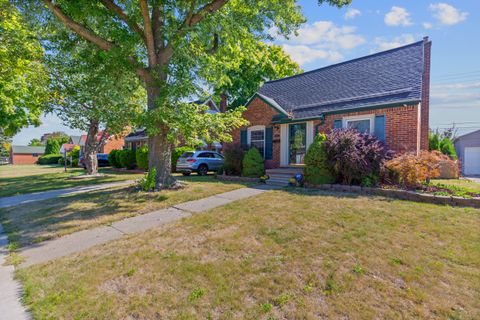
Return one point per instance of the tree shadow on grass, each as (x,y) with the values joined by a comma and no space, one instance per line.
(32,223)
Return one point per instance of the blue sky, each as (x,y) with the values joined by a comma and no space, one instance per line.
(333,35)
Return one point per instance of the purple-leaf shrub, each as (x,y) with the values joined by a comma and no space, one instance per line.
(353,156)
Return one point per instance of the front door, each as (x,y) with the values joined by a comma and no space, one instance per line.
(297,143)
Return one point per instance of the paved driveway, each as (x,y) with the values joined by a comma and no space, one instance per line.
(474,179)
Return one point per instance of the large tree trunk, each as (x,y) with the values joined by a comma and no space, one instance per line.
(159,148)
(91,145)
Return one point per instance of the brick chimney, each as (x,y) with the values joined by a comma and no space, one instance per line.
(223,102)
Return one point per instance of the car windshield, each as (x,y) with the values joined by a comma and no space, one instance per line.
(187,154)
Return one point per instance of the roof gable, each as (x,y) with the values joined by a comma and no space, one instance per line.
(388,77)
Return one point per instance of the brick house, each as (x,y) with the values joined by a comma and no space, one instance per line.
(113,142)
(385,94)
(25,154)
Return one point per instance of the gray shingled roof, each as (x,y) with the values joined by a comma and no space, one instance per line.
(28,149)
(393,76)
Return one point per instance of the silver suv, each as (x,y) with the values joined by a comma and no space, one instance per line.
(199,161)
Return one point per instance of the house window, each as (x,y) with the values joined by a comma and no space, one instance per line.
(35,155)
(256,138)
(363,124)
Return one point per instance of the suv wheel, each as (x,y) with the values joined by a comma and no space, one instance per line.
(202,170)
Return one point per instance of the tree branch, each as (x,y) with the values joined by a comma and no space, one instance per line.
(152,58)
(78,28)
(214,48)
(157,26)
(213,6)
(110,5)
(89,36)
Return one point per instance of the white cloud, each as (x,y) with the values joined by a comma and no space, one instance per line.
(447,14)
(398,16)
(385,44)
(321,40)
(427,25)
(460,85)
(305,54)
(352,13)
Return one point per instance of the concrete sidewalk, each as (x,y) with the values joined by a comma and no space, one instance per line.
(79,241)
(31,197)
(10,290)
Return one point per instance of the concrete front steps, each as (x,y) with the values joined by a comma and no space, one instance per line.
(280,176)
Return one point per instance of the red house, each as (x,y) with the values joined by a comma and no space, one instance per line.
(385,94)
(25,154)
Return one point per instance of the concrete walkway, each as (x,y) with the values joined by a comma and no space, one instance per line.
(475,179)
(10,290)
(30,197)
(79,241)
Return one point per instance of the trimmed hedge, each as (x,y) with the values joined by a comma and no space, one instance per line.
(253,166)
(127,158)
(113,158)
(142,157)
(49,159)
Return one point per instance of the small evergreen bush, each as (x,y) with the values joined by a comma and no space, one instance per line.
(49,159)
(253,166)
(433,141)
(114,158)
(142,157)
(127,159)
(233,155)
(316,168)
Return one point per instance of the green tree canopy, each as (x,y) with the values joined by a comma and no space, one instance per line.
(171,46)
(35,142)
(23,78)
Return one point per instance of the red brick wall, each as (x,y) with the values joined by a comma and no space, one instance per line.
(402,134)
(24,158)
(113,143)
(401,125)
(425,96)
(260,113)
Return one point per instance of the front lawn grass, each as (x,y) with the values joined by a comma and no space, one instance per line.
(35,222)
(461,183)
(17,179)
(281,255)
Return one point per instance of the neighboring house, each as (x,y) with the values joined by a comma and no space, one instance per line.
(139,138)
(67,147)
(25,154)
(112,143)
(468,151)
(385,94)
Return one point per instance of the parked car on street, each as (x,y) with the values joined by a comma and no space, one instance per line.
(102,159)
(200,162)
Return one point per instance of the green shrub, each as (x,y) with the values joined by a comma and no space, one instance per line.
(52,147)
(75,153)
(127,158)
(142,157)
(447,148)
(253,165)
(316,168)
(433,141)
(177,153)
(233,155)
(147,183)
(113,158)
(49,159)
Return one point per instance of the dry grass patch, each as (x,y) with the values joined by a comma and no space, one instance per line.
(280,255)
(40,221)
(19,179)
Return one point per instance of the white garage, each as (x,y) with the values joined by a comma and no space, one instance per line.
(472,161)
(468,151)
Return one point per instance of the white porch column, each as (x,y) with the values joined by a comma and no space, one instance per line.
(310,133)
